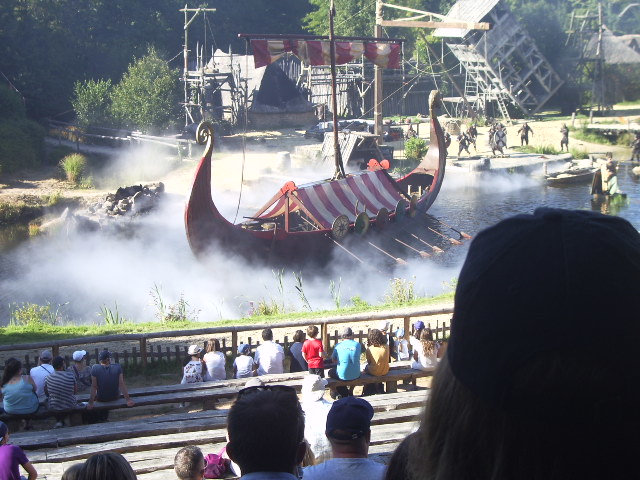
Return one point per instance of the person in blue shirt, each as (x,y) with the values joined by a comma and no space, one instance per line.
(347,354)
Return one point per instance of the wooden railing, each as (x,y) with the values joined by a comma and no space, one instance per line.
(146,354)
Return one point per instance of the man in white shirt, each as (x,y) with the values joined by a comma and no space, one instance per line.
(269,357)
(41,372)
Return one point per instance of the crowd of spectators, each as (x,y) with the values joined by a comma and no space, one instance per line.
(519,392)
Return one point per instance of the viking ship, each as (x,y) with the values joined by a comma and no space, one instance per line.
(303,222)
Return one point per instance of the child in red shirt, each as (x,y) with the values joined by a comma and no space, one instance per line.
(312,352)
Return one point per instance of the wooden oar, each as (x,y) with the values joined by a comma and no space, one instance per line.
(452,240)
(433,247)
(422,253)
(398,260)
(462,234)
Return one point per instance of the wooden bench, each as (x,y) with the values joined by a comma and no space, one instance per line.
(210,393)
(151,444)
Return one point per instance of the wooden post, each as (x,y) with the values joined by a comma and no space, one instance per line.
(407,328)
(55,350)
(126,358)
(178,354)
(234,342)
(143,352)
(377,79)
(116,357)
(324,333)
(134,355)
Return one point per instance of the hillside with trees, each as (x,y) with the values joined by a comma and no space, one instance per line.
(96,53)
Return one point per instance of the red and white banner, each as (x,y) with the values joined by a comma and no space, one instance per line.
(317,52)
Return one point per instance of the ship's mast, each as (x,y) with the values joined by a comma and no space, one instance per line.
(339,173)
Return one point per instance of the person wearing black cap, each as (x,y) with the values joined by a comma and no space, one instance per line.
(349,432)
(107,382)
(537,297)
(12,457)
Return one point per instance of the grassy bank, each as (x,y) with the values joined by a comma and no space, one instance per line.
(38,331)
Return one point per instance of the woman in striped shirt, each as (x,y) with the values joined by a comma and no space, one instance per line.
(61,388)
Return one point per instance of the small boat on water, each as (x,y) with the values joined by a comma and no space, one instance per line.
(570,176)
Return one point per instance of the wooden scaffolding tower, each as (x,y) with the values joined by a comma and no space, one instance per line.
(502,65)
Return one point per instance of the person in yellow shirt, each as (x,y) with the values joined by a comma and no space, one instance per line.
(377,354)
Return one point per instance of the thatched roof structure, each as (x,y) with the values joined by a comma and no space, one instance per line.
(614,49)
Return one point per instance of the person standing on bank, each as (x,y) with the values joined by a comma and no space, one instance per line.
(564,141)
(107,382)
(81,371)
(524,132)
(42,371)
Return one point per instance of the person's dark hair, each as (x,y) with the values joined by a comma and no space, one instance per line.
(523,446)
(312,331)
(187,462)
(376,337)
(267,334)
(213,345)
(58,363)
(11,368)
(107,466)
(266,431)
(73,472)
(298,336)
(397,469)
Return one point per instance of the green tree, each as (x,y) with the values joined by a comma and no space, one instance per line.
(92,102)
(147,97)
(21,140)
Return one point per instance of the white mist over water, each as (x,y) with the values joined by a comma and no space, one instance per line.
(88,270)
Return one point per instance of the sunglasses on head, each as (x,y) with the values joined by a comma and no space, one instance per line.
(262,388)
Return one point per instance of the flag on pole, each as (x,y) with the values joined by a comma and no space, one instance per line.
(317,52)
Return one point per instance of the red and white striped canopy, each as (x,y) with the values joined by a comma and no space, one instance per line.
(370,191)
(317,52)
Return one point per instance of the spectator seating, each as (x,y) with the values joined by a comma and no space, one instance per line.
(150,444)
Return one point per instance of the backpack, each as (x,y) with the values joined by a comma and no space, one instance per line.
(217,465)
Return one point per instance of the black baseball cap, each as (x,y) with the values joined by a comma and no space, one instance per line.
(103,355)
(558,282)
(349,418)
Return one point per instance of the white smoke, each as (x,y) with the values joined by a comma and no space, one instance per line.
(89,270)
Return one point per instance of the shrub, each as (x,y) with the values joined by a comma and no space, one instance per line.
(92,102)
(147,96)
(401,291)
(415,148)
(74,166)
(579,153)
(33,314)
